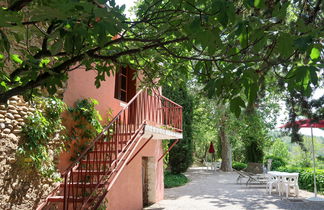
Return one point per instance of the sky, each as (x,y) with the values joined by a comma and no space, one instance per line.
(128,4)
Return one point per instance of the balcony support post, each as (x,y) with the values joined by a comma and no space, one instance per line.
(174,143)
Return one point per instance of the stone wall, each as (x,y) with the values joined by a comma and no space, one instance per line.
(12,116)
(20,186)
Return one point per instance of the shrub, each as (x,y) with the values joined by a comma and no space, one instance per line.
(276,162)
(239,166)
(174,180)
(306,177)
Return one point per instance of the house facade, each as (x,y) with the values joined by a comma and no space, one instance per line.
(122,169)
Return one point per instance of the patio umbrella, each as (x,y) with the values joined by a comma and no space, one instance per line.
(309,123)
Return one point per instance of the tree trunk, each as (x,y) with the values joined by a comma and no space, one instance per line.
(226,147)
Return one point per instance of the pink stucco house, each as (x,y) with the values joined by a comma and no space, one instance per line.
(122,169)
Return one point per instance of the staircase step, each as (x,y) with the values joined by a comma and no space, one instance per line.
(124,134)
(107,143)
(96,161)
(92,172)
(60,198)
(89,185)
(101,151)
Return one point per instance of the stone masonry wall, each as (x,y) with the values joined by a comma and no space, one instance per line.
(20,187)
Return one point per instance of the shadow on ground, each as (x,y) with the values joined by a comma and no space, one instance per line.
(219,190)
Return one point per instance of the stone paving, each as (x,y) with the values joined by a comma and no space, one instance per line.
(209,190)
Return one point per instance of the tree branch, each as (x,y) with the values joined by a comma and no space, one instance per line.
(137,50)
(65,65)
(315,11)
(209,59)
(18,5)
(40,79)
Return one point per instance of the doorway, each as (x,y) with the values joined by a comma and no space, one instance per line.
(145,181)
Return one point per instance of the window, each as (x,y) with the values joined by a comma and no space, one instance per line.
(125,86)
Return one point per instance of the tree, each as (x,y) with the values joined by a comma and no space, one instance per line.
(231,44)
(226,151)
(181,156)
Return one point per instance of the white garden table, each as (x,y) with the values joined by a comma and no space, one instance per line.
(284,178)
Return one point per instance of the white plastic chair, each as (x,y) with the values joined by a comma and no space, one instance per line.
(291,182)
(273,181)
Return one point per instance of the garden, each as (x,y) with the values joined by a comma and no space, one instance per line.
(252,138)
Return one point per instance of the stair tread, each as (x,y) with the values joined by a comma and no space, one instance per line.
(107,142)
(60,198)
(91,172)
(96,161)
(82,184)
(102,151)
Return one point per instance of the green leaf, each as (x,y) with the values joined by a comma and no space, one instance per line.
(280,11)
(236,104)
(16,58)
(253,90)
(285,45)
(258,3)
(249,3)
(69,43)
(44,62)
(4,84)
(222,17)
(57,47)
(315,53)
(5,41)
(1,56)
(313,75)
(302,43)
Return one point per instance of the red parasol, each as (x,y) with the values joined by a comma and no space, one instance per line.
(309,123)
(211,148)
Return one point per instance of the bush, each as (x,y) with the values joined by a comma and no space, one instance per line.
(306,177)
(239,166)
(174,180)
(276,162)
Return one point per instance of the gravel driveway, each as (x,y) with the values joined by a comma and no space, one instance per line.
(219,190)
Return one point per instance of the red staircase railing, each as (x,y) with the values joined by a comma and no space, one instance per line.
(90,177)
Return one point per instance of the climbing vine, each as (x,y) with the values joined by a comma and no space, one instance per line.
(43,132)
(86,125)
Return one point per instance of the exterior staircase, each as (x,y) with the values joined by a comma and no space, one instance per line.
(87,181)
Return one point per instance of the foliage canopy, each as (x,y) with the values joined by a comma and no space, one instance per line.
(231,45)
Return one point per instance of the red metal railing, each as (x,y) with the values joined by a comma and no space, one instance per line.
(89,178)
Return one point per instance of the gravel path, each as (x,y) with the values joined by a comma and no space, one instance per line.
(218,190)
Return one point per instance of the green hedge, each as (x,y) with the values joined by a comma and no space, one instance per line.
(238,166)
(174,180)
(276,162)
(306,177)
